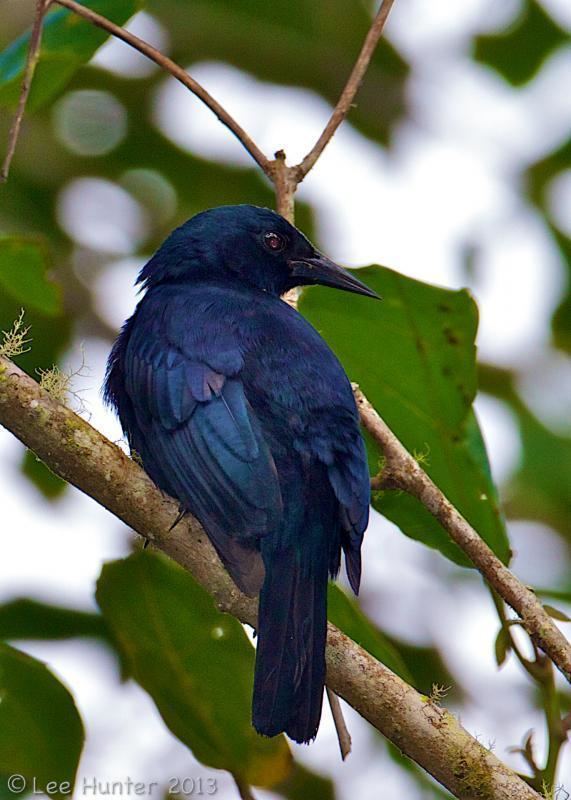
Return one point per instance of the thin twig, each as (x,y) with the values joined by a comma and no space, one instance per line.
(343,735)
(529,665)
(348,94)
(177,72)
(402,471)
(42,7)
(540,669)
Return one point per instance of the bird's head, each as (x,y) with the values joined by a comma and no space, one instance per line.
(254,245)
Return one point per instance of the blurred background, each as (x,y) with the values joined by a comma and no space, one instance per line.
(454,168)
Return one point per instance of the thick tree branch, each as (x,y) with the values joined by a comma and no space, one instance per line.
(73,449)
(402,471)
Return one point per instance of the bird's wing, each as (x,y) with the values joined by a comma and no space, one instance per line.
(202,443)
(337,443)
(349,477)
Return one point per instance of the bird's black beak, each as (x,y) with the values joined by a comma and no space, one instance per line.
(321,270)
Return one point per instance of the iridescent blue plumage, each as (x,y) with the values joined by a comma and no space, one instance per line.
(239,409)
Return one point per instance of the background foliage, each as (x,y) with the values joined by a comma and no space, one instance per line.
(93,137)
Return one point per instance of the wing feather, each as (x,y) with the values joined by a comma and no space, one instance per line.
(201,442)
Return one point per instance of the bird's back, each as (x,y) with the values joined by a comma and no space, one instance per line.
(240,410)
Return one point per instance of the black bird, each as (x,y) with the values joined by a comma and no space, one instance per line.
(239,409)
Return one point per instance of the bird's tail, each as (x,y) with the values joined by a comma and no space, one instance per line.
(290,658)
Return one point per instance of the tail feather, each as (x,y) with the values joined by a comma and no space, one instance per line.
(304,722)
(290,659)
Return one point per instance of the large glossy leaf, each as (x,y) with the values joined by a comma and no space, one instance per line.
(68,42)
(196,663)
(302,43)
(41,733)
(413,354)
(518,52)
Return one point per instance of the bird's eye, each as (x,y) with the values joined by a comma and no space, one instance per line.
(274,241)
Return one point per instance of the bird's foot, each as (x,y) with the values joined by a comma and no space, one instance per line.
(181,513)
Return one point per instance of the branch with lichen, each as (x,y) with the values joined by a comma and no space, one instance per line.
(417,725)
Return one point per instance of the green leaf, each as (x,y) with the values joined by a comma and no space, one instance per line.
(47,482)
(23,275)
(538,178)
(29,619)
(518,52)
(414,357)
(49,335)
(345,613)
(196,663)
(300,43)
(561,319)
(41,733)
(502,645)
(421,667)
(425,782)
(561,593)
(540,487)
(427,668)
(557,614)
(301,784)
(68,42)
